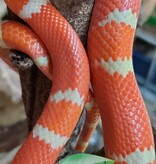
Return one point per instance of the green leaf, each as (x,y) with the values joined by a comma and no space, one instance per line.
(86,159)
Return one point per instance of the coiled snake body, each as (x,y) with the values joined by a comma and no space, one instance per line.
(127,131)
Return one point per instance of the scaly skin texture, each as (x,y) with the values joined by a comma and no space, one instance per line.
(18,36)
(68,93)
(91,121)
(128,135)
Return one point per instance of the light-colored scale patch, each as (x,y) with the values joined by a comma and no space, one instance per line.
(123,67)
(32,7)
(90,125)
(69,95)
(55,140)
(139,157)
(41,61)
(2,43)
(83,143)
(89,105)
(125,16)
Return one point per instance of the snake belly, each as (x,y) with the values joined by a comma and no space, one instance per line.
(128,135)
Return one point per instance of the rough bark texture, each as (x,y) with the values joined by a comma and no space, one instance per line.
(13,139)
(77,13)
(35,86)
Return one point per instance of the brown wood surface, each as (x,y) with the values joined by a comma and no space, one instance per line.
(12,136)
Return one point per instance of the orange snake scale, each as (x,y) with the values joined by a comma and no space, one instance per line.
(128,135)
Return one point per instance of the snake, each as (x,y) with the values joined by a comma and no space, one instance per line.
(28,42)
(128,136)
(69,91)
